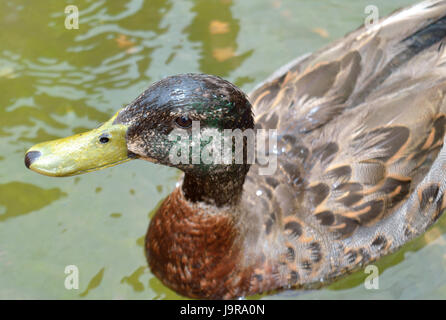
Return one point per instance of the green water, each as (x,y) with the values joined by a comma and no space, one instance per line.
(55,82)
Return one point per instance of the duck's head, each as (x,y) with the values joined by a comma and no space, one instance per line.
(142,128)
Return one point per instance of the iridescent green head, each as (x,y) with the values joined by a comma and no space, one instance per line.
(142,128)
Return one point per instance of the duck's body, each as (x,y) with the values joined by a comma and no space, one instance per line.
(360,165)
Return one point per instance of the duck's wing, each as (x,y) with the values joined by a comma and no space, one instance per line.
(360,126)
(315,88)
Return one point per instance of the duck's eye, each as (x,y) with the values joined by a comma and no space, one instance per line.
(183,122)
(104,140)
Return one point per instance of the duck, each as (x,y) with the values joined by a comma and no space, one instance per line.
(359,168)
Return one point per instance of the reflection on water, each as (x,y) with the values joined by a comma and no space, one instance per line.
(21,198)
(133,279)
(216,34)
(94,282)
(55,82)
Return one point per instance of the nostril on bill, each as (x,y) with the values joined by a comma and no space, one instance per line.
(30,157)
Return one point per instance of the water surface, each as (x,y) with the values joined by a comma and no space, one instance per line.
(56,82)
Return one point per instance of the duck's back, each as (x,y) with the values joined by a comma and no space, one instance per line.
(361,169)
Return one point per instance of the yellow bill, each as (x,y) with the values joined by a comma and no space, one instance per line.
(100,148)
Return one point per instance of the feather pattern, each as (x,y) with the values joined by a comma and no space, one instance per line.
(361,126)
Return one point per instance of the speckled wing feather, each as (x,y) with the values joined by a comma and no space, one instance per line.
(360,127)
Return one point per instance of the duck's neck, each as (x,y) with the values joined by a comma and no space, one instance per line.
(219,188)
(204,250)
(195,249)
